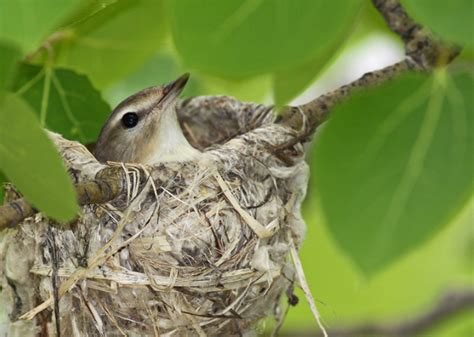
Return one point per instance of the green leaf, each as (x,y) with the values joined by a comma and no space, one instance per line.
(9,57)
(86,10)
(452,20)
(115,41)
(30,161)
(3,179)
(163,68)
(65,101)
(160,69)
(254,89)
(394,165)
(27,22)
(242,38)
(289,83)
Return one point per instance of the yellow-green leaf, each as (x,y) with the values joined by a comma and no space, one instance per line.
(27,22)
(30,161)
(115,41)
(10,54)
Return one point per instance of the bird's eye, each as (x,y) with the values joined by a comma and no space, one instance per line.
(130,120)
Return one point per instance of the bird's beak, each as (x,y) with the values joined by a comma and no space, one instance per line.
(172,90)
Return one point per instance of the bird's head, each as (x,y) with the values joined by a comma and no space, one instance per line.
(134,130)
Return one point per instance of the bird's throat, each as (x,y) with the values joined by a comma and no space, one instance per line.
(169,143)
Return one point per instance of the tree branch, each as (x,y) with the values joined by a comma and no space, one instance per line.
(449,305)
(423,53)
(108,184)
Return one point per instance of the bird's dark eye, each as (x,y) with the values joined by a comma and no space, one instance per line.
(130,120)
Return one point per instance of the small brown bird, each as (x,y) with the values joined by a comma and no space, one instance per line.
(144,128)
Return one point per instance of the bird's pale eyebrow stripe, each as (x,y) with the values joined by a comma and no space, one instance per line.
(139,109)
(140,103)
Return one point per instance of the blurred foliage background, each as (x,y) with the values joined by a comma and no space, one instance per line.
(389,207)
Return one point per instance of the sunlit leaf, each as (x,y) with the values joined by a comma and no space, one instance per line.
(27,22)
(115,41)
(30,161)
(451,20)
(236,38)
(65,101)
(395,164)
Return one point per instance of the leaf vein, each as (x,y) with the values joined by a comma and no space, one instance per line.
(67,108)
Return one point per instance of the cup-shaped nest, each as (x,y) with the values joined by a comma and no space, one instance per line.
(190,249)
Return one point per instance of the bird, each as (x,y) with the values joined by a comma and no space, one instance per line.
(144,128)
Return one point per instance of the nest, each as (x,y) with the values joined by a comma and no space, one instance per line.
(193,249)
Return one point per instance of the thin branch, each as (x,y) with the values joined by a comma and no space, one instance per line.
(426,50)
(423,52)
(309,116)
(448,306)
(108,185)
(14,212)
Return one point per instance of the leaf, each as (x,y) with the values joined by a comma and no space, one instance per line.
(394,165)
(65,101)
(30,161)
(253,89)
(452,20)
(86,10)
(3,179)
(115,41)
(243,38)
(27,22)
(288,84)
(160,69)
(9,57)
(163,68)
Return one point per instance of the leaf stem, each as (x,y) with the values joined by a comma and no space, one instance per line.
(45,98)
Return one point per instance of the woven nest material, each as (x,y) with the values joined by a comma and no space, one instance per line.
(193,249)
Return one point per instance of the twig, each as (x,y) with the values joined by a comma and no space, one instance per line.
(14,212)
(107,186)
(426,51)
(423,53)
(449,304)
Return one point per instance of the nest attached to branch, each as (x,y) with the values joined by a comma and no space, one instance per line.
(192,249)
